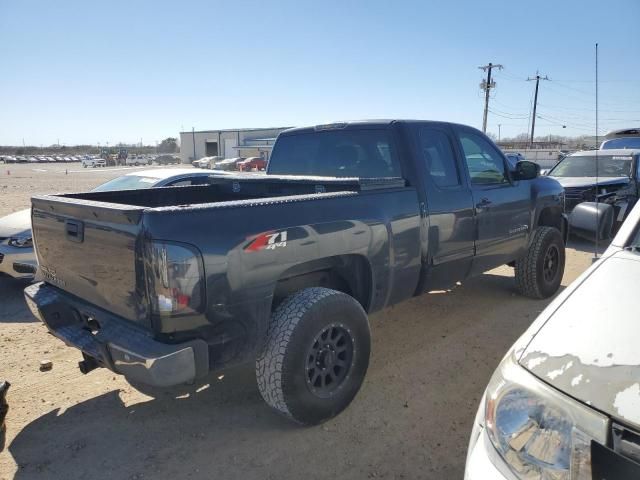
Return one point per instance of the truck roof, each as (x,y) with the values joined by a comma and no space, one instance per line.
(625,132)
(341,125)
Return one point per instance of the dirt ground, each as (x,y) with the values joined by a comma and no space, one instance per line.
(431,359)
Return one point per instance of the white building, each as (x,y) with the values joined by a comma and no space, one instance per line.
(241,142)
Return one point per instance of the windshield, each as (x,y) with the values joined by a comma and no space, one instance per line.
(585,166)
(343,153)
(127,182)
(628,142)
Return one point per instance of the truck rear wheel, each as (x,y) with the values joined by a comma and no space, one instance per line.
(315,356)
(540,271)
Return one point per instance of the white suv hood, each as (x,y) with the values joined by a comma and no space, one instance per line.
(569,182)
(589,347)
(15,223)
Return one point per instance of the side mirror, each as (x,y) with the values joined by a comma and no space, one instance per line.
(526,170)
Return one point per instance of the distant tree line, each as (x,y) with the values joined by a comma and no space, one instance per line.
(579,142)
(168,145)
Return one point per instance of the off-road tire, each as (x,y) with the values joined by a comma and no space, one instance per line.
(530,269)
(282,366)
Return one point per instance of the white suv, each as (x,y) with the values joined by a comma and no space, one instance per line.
(93,162)
(564,403)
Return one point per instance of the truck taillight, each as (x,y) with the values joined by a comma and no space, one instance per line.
(175,279)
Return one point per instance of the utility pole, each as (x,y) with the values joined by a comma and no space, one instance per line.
(537,78)
(487,85)
(193,138)
(499,126)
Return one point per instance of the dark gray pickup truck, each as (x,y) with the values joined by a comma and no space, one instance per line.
(166,285)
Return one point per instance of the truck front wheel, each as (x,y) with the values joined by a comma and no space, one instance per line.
(540,271)
(315,355)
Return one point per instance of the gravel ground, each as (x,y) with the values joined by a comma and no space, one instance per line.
(431,359)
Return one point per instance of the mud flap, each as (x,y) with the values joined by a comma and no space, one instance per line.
(590,218)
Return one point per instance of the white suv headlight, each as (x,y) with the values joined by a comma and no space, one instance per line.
(21,242)
(539,432)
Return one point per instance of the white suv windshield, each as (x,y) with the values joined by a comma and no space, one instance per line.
(585,166)
(128,182)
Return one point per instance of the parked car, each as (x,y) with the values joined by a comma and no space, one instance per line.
(17,257)
(166,159)
(137,160)
(206,162)
(252,163)
(93,162)
(609,177)
(228,164)
(197,163)
(283,268)
(564,402)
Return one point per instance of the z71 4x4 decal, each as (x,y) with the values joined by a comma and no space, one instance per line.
(268,241)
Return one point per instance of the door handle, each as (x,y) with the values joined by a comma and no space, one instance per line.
(484,203)
(74,230)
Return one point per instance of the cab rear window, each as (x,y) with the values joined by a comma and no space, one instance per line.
(336,153)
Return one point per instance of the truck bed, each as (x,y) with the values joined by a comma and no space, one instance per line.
(91,244)
(232,189)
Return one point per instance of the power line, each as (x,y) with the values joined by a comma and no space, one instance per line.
(579,98)
(487,86)
(507,115)
(585,121)
(560,121)
(516,111)
(560,84)
(564,124)
(513,114)
(587,109)
(506,74)
(601,81)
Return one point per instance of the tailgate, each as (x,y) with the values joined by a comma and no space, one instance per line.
(89,249)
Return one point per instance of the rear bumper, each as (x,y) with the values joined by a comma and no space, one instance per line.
(116,343)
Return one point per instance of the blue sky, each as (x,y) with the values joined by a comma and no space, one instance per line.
(88,72)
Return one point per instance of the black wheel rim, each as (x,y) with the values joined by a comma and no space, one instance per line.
(329,360)
(551,264)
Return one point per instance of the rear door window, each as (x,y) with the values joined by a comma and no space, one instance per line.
(336,153)
(438,156)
